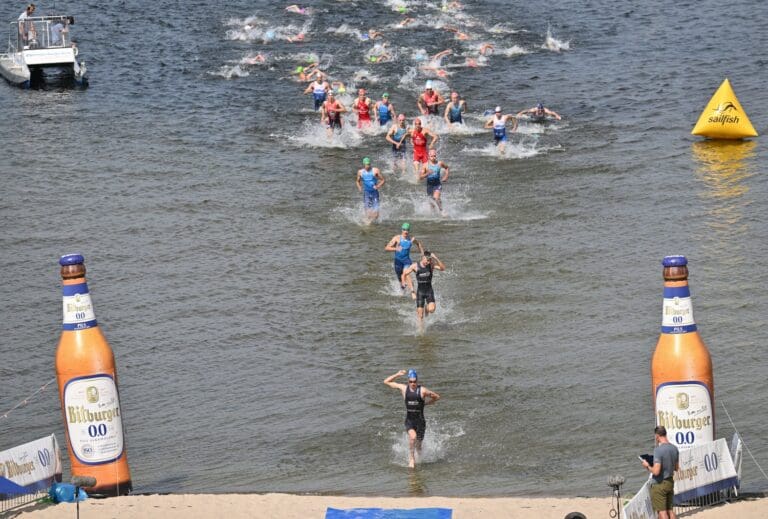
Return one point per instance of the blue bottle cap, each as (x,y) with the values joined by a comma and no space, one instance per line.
(674,261)
(71,259)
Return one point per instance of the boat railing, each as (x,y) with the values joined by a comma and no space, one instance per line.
(43,32)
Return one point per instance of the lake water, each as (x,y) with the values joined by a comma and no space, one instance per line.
(254,315)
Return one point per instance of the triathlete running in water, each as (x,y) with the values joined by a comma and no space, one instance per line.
(384,110)
(401,245)
(319,89)
(330,115)
(539,113)
(454,109)
(396,136)
(430,100)
(418,137)
(369,182)
(416,397)
(432,171)
(499,124)
(362,106)
(424,294)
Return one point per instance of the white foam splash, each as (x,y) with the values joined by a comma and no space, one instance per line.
(230,71)
(315,135)
(512,150)
(436,443)
(553,44)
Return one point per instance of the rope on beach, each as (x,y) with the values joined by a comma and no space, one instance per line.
(742,439)
(26,400)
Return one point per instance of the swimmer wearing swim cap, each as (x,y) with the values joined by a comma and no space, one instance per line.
(369,181)
(424,294)
(539,113)
(396,136)
(454,109)
(435,172)
(401,245)
(416,397)
(419,137)
(384,110)
(430,100)
(499,124)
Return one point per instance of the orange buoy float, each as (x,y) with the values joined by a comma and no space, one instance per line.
(90,402)
(681,367)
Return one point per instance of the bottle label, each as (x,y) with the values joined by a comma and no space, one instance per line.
(685,410)
(94,425)
(78,309)
(677,311)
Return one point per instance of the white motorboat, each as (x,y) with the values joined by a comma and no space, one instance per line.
(40,51)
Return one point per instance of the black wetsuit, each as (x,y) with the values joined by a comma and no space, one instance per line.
(424,292)
(414,416)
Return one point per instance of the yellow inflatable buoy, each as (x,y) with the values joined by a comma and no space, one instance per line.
(724,118)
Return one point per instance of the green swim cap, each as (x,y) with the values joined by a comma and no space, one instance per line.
(366,160)
(401,9)
(299,70)
(406,226)
(372,58)
(385,94)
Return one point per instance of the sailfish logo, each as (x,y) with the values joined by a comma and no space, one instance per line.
(724,107)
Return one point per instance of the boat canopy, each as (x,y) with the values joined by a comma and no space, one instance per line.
(40,32)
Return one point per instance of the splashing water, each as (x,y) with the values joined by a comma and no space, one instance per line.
(314,135)
(437,440)
(230,71)
(553,44)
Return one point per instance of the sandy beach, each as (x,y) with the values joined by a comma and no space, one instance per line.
(287,506)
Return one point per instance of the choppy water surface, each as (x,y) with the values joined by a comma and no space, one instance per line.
(254,315)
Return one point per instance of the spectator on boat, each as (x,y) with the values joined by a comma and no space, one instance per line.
(59,30)
(27,13)
(26,27)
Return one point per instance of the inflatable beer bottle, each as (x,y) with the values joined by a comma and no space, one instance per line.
(90,403)
(681,368)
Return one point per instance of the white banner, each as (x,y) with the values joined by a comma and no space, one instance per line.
(33,465)
(639,507)
(704,468)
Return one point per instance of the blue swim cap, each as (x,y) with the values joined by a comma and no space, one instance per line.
(412,374)
(674,261)
(540,106)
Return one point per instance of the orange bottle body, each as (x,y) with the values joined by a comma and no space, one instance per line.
(90,402)
(681,372)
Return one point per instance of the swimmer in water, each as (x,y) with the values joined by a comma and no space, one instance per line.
(396,136)
(416,397)
(330,115)
(424,294)
(363,109)
(539,113)
(499,124)
(430,100)
(486,49)
(419,137)
(384,110)
(298,10)
(433,171)
(372,34)
(319,89)
(401,245)
(454,109)
(369,182)
(338,87)
(459,35)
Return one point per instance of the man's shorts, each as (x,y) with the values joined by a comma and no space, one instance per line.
(371,199)
(662,494)
(334,122)
(420,426)
(431,188)
(424,296)
(420,156)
